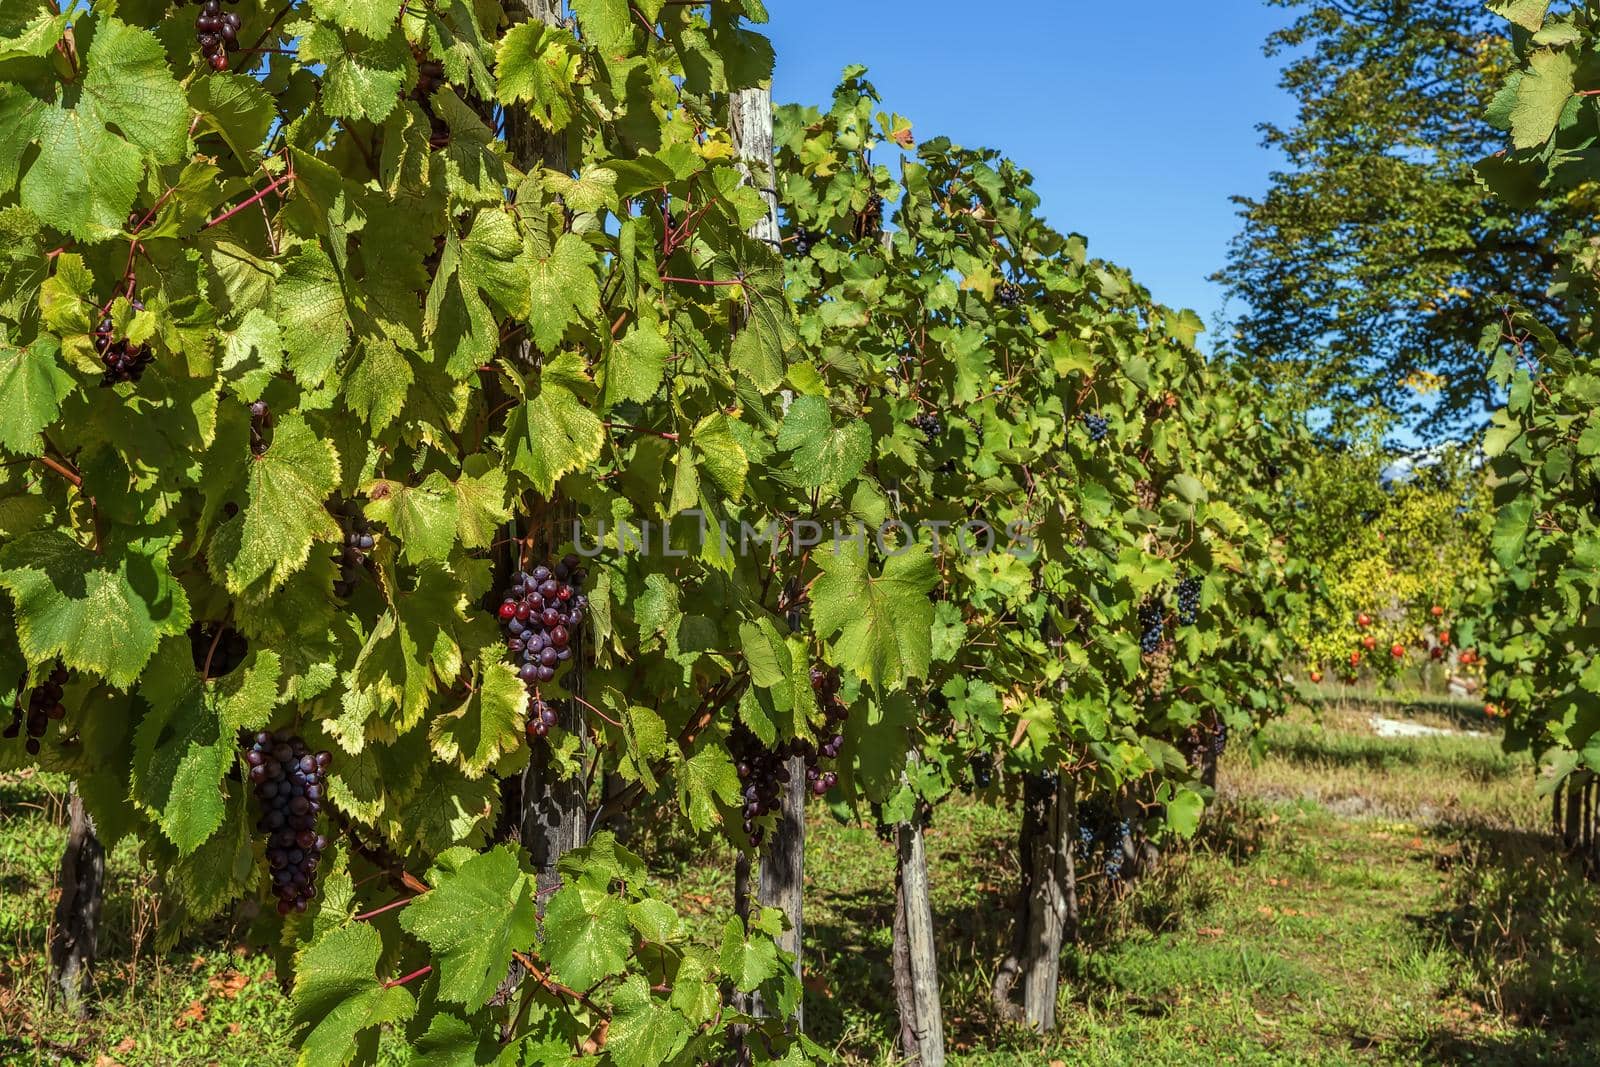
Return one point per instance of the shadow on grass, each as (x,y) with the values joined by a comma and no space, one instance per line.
(1526,923)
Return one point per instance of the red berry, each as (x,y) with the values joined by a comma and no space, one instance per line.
(508,611)
(220,62)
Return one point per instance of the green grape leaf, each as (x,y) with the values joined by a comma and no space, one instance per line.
(422,517)
(473,919)
(376,384)
(704,778)
(237,108)
(823,455)
(287,488)
(187,740)
(539,65)
(33,383)
(1542,95)
(126,77)
(644,1031)
(884,623)
(100,614)
(748,960)
(586,934)
(562,290)
(635,365)
(363,76)
(337,994)
(488,724)
(555,432)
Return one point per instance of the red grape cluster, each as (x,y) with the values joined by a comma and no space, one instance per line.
(764,771)
(123,360)
(217,650)
(44,704)
(290,782)
(218,33)
(541,614)
(358,541)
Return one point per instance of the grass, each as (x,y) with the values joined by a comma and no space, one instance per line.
(1353,900)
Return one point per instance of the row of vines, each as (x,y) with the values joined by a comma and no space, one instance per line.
(439,436)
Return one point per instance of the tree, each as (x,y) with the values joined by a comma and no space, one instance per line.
(1367,269)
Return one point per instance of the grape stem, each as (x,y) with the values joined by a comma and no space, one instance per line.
(375,912)
(413,976)
(597,711)
(273,186)
(62,469)
(664,435)
(565,992)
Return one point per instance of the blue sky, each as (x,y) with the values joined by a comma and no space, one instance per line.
(1137,121)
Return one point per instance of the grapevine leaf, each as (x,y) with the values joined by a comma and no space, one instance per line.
(337,994)
(562,290)
(473,919)
(884,623)
(823,455)
(237,108)
(539,65)
(422,518)
(635,365)
(1541,97)
(748,960)
(376,385)
(587,936)
(96,613)
(309,306)
(363,75)
(644,1031)
(33,383)
(488,724)
(271,537)
(126,77)
(370,18)
(186,741)
(555,432)
(704,778)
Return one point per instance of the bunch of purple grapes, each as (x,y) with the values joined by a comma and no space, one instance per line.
(542,613)
(930,425)
(803,241)
(1219,738)
(1189,601)
(1097,426)
(1010,295)
(1152,625)
(763,771)
(43,705)
(290,783)
(217,32)
(358,541)
(123,361)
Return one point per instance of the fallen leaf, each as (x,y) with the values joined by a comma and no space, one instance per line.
(228,983)
(127,1044)
(1210,931)
(194,1013)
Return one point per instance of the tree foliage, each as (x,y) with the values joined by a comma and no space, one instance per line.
(1365,271)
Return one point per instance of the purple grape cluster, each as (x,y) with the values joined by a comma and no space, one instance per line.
(122,360)
(218,33)
(542,613)
(1097,426)
(930,425)
(1010,295)
(803,241)
(358,541)
(763,771)
(43,705)
(1152,625)
(1189,601)
(290,782)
